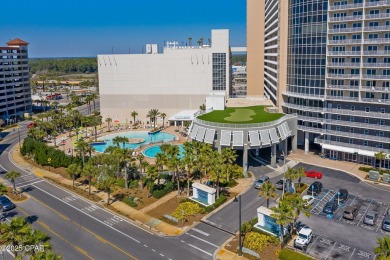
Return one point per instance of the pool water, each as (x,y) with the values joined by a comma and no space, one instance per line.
(153,150)
(158,137)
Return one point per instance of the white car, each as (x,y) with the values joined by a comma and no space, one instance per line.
(308,199)
(305,236)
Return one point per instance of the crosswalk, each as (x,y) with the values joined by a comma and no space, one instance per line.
(317,209)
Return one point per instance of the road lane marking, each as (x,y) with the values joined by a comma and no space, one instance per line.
(47,206)
(205,241)
(200,231)
(98,220)
(83,252)
(29,184)
(364,213)
(312,243)
(330,250)
(197,248)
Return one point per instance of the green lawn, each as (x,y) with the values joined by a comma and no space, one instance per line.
(241,115)
(288,254)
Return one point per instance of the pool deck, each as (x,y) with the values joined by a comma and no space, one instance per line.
(103,131)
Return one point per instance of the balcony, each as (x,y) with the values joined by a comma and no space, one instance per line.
(356,146)
(374,138)
(347,30)
(357,113)
(379,3)
(367,76)
(376,100)
(311,119)
(343,7)
(376,65)
(346,18)
(342,98)
(343,87)
(376,28)
(377,16)
(375,89)
(385,52)
(304,108)
(308,96)
(356,124)
(344,53)
(311,129)
(346,41)
(377,40)
(343,64)
(343,76)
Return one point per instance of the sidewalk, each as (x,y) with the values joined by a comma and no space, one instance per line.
(138,216)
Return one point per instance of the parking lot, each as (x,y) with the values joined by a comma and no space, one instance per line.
(362,204)
(325,248)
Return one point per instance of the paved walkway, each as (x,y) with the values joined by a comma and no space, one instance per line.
(164,199)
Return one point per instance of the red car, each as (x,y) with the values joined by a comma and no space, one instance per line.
(313,174)
(32,124)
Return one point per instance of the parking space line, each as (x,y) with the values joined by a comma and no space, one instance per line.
(312,243)
(352,253)
(348,205)
(364,213)
(382,217)
(331,250)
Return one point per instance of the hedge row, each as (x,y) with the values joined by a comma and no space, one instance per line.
(367,169)
(218,202)
(159,193)
(41,152)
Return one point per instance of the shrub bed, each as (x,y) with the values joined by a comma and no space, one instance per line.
(218,202)
(256,241)
(367,169)
(130,201)
(159,192)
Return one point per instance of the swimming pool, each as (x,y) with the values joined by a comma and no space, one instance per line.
(158,137)
(153,150)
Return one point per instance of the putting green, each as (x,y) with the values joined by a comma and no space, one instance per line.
(240,115)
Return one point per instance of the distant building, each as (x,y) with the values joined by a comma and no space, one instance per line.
(238,81)
(178,79)
(15,93)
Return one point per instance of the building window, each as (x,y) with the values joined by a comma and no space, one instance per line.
(352,108)
(367,120)
(338,117)
(352,119)
(382,122)
(365,143)
(351,141)
(367,109)
(338,106)
(352,130)
(383,110)
(380,145)
(219,71)
(366,132)
(337,138)
(382,134)
(337,128)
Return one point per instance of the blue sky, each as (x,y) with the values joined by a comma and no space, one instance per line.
(70,28)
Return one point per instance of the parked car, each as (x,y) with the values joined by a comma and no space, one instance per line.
(309,200)
(330,207)
(341,196)
(6,204)
(370,218)
(305,236)
(261,181)
(386,223)
(313,174)
(350,212)
(315,188)
(279,184)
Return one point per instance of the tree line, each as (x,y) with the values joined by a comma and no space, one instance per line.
(63,66)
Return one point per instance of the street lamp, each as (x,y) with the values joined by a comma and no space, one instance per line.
(239,224)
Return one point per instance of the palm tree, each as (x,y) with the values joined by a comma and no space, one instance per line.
(82,146)
(161,160)
(95,121)
(268,190)
(36,237)
(134,114)
(106,184)
(203,161)
(173,164)
(163,116)
(140,158)
(12,175)
(189,162)
(298,205)
(153,114)
(89,171)
(380,157)
(108,121)
(282,215)
(73,170)
(202,107)
(152,172)
(300,172)
(382,251)
(47,255)
(14,232)
(228,156)
(120,139)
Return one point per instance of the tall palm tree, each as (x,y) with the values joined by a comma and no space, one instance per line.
(152,172)
(173,163)
(282,214)
(120,139)
(134,114)
(229,157)
(298,205)
(38,238)
(89,171)
(268,190)
(95,120)
(300,172)
(73,170)
(106,184)
(161,160)
(203,161)
(163,116)
(140,158)
(12,175)
(380,157)
(153,114)
(383,249)
(82,147)
(189,162)
(14,232)
(108,121)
